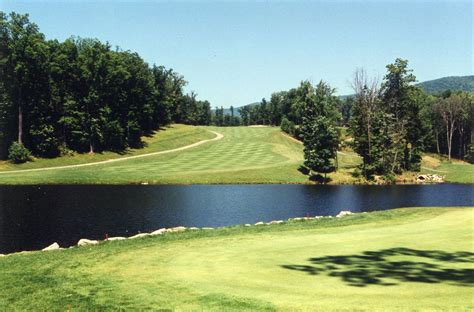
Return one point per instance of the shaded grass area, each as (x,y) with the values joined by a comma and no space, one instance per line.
(403,259)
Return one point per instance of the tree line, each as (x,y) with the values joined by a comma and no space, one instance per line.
(82,95)
(391,122)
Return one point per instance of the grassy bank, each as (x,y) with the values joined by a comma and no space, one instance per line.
(404,259)
(454,171)
(243,155)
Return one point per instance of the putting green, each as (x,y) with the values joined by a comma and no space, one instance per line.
(405,259)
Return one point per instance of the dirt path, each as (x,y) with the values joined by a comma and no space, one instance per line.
(218,137)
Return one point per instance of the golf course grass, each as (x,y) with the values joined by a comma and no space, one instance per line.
(242,155)
(398,260)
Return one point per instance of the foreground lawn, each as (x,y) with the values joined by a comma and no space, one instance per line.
(404,259)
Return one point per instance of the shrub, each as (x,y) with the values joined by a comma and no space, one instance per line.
(470,154)
(287,126)
(18,153)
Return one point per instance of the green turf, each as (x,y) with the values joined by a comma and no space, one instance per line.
(167,138)
(261,150)
(244,155)
(454,171)
(399,260)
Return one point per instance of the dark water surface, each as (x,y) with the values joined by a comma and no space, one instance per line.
(33,217)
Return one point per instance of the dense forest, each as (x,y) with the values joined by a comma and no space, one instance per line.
(82,95)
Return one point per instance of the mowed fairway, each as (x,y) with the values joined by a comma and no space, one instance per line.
(419,259)
(244,154)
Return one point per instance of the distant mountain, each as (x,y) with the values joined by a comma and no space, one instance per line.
(236,109)
(454,83)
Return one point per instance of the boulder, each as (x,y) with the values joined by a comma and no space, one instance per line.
(54,246)
(193,228)
(276,222)
(259,223)
(177,229)
(343,213)
(247,224)
(158,232)
(207,228)
(86,242)
(139,235)
(116,238)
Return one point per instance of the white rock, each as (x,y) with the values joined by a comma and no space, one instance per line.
(343,213)
(207,228)
(193,228)
(158,232)
(259,223)
(177,229)
(247,224)
(116,238)
(54,246)
(139,235)
(85,242)
(276,222)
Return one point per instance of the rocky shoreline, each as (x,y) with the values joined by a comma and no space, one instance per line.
(90,242)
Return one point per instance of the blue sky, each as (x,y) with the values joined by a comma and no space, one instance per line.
(234,53)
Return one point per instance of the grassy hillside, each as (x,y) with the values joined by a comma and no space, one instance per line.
(364,261)
(243,155)
(454,83)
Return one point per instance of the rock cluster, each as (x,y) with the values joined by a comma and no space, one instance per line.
(89,242)
(429,178)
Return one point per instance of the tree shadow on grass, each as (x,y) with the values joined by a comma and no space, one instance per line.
(376,267)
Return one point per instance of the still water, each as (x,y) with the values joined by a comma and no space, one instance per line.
(33,217)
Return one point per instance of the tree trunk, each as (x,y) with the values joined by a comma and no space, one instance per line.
(20,125)
(437,142)
(449,135)
(461,142)
(91,147)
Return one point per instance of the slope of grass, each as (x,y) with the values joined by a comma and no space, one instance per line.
(454,171)
(167,138)
(261,150)
(404,259)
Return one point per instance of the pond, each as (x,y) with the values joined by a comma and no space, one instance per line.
(33,217)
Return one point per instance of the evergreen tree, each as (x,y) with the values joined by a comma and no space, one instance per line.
(320,136)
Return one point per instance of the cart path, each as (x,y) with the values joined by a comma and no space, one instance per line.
(218,137)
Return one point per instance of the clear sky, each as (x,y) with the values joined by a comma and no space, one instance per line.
(235,53)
